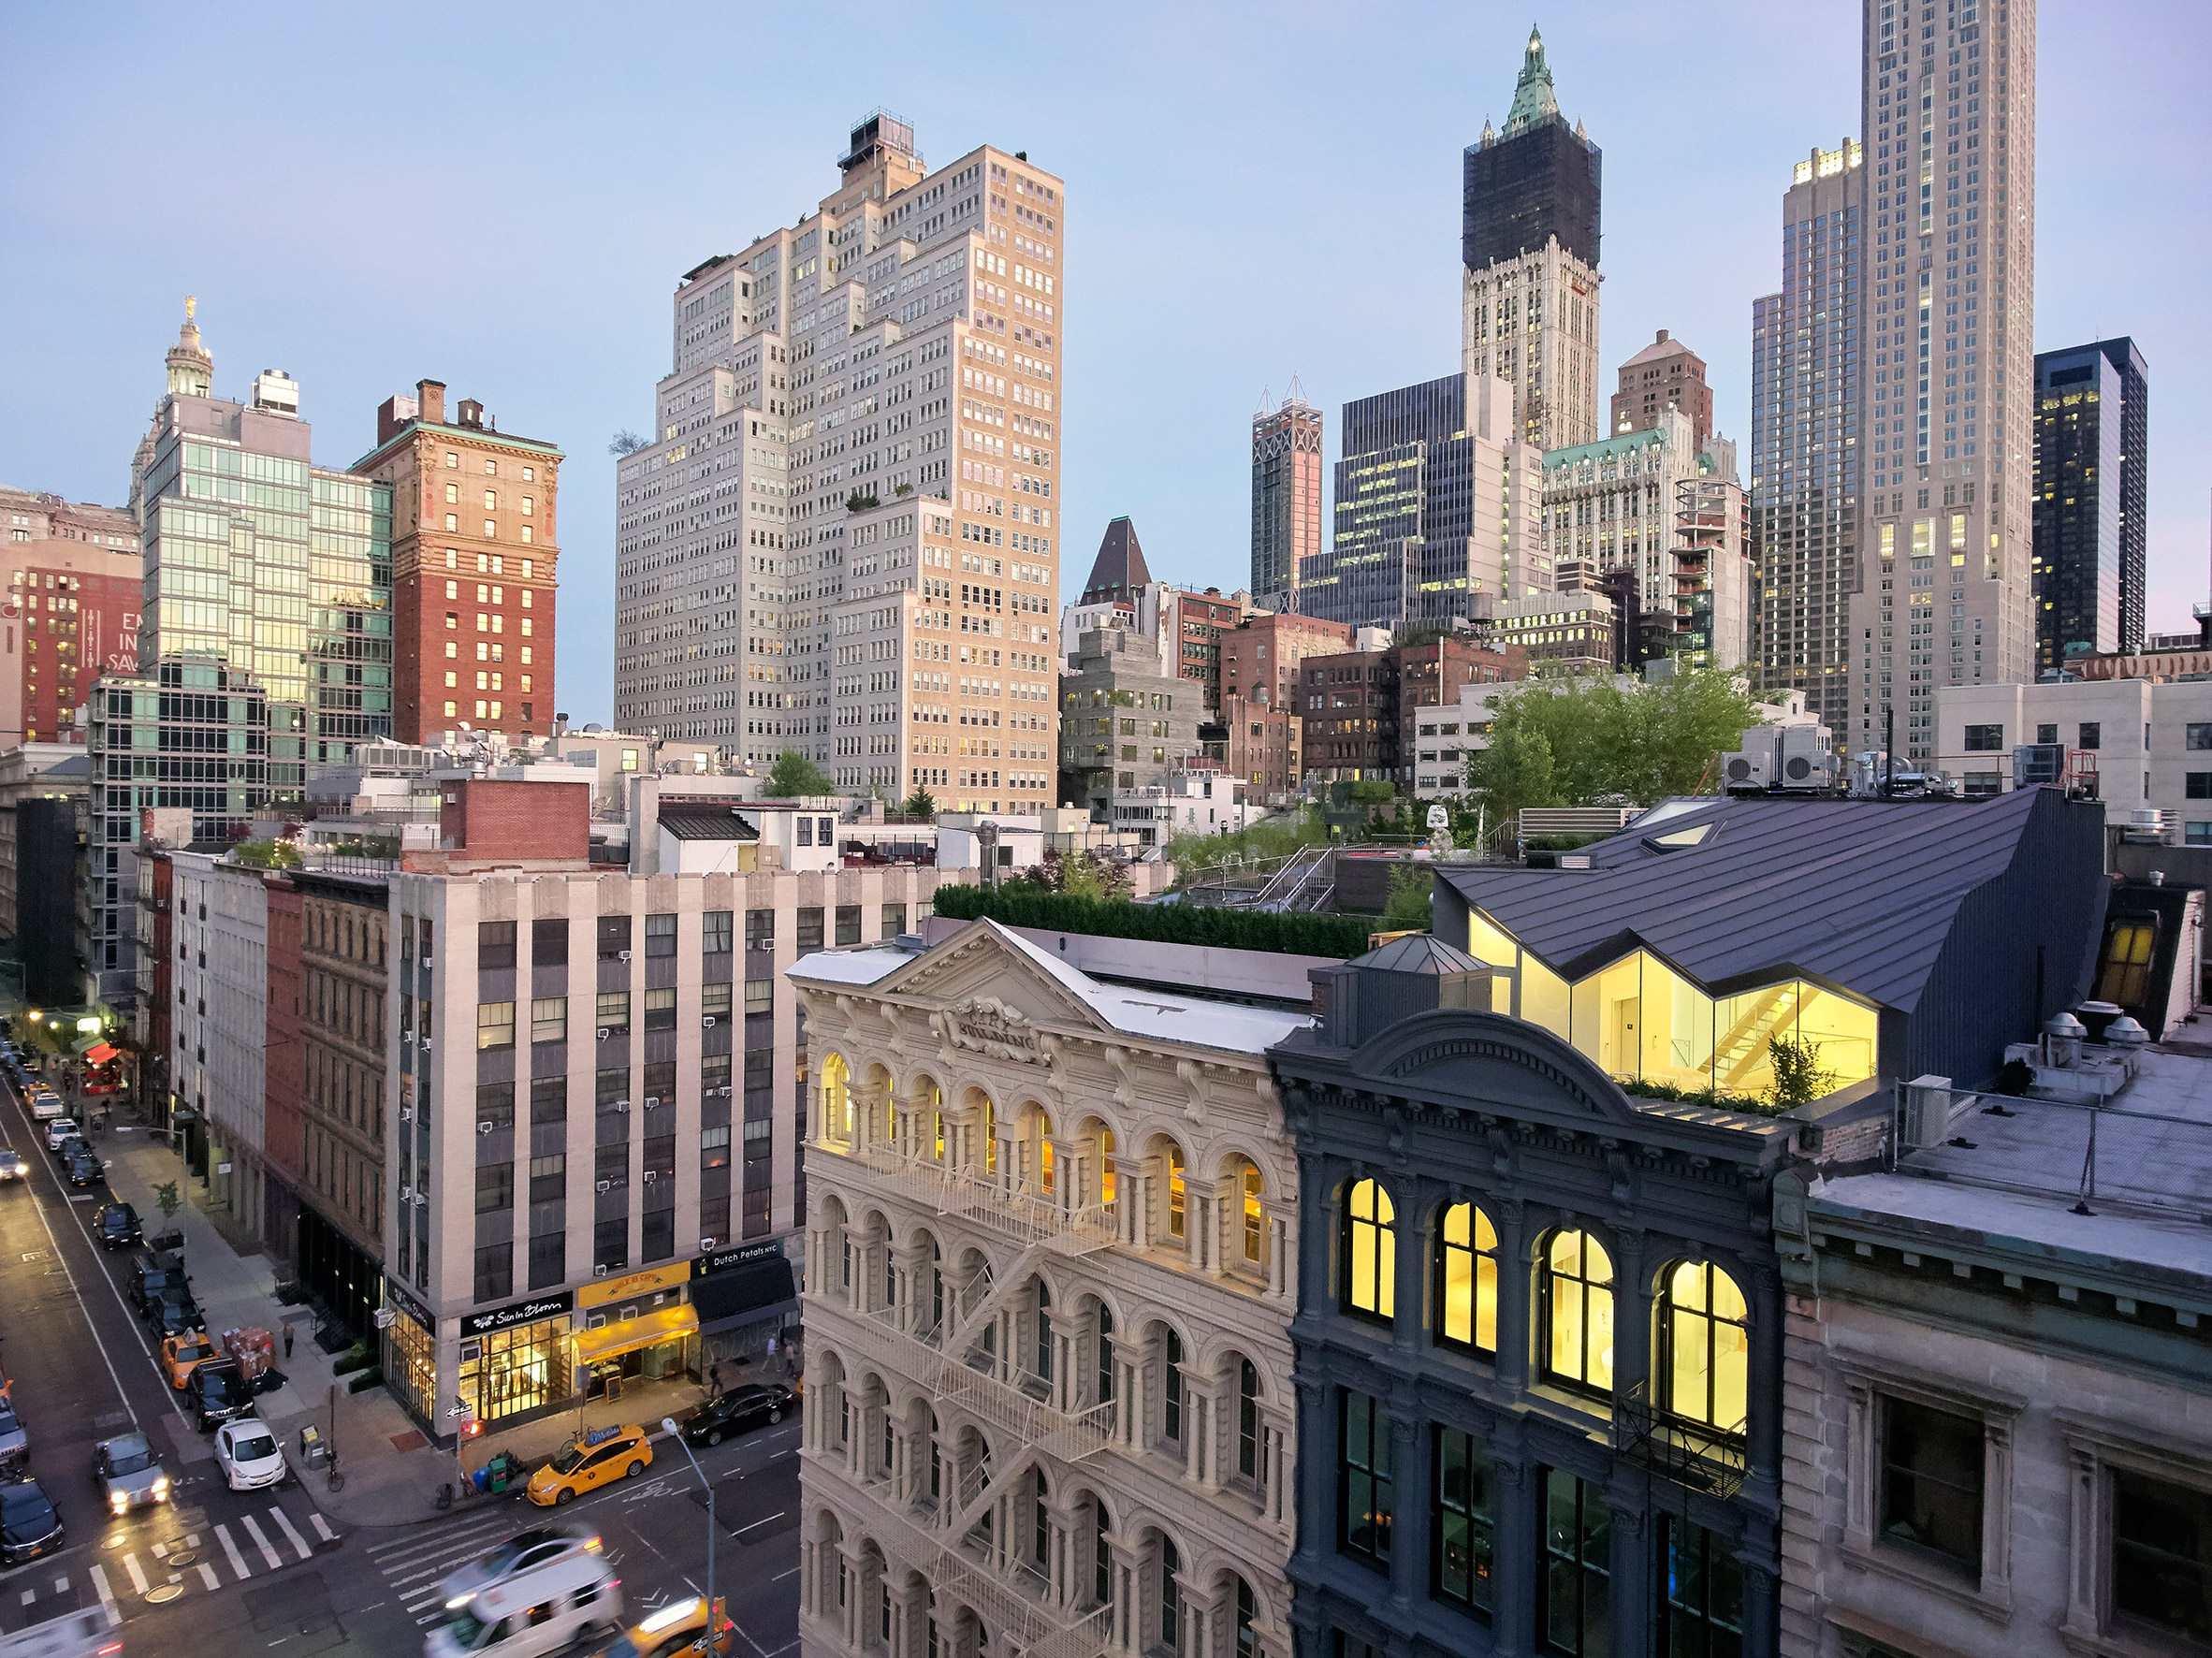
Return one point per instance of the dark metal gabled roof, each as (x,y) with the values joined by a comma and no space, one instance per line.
(1422,952)
(1860,894)
(708,826)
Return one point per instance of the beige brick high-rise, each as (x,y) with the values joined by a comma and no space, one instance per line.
(843,538)
(1947,311)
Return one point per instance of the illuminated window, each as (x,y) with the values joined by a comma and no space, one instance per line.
(2125,972)
(1370,1251)
(1578,1307)
(1255,1219)
(1044,1152)
(1177,1196)
(836,1098)
(1706,1346)
(1467,1280)
(1106,1168)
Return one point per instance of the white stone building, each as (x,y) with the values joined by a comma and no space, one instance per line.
(1051,1271)
(2149,741)
(219,1028)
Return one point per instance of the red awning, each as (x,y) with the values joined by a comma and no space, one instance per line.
(101,1054)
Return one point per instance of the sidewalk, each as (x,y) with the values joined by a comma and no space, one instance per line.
(392,1473)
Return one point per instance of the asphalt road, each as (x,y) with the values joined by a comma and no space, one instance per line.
(218,1570)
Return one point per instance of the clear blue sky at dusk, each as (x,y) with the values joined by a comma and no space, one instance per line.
(502,197)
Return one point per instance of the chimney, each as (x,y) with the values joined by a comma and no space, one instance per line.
(1662,340)
(430,398)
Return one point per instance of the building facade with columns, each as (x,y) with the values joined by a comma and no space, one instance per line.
(1051,1262)
(1539,1338)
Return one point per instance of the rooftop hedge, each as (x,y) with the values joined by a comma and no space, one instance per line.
(1340,936)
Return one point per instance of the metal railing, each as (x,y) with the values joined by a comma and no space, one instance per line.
(1693,1455)
(988,1201)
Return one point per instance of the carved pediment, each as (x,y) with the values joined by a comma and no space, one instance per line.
(988,1025)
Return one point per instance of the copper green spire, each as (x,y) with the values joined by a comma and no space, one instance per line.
(1533,102)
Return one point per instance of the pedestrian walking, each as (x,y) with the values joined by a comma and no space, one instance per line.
(287,1341)
(714,1378)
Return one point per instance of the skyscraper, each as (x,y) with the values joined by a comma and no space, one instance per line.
(1529,242)
(852,481)
(1807,369)
(1286,494)
(2092,439)
(1435,509)
(1665,374)
(1947,309)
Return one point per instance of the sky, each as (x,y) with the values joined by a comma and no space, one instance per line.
(502,197)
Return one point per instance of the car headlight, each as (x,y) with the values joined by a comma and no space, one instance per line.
(119,1500)
(160,1486)
(458,1602)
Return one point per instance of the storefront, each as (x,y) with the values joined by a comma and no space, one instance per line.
(513,1360)
(410,1353)
(744,1298)
(636,1326)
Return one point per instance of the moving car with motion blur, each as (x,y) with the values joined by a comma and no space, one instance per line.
(516,1559)
(679,1627)
(12,1166)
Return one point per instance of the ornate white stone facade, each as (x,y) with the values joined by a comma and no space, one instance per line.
(1051,1228)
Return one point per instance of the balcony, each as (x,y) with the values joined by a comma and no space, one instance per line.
(1693,1455)
(1026,1217)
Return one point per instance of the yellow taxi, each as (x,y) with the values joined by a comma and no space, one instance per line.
(672,1630)
(597,1457)
(180,1355)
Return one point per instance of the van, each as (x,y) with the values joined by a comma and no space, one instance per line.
(73,1635)
(535,1612)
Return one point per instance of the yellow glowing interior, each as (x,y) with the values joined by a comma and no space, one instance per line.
(1254,1221)
(1106,1170)
(1176,1192)
(836,1098)
(1470,1287)
(1581,1310)
(1708,1369)
(1373,1263)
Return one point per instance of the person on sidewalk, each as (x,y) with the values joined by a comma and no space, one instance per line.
(287,1341)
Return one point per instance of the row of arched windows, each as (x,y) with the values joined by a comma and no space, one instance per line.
(1703,1358)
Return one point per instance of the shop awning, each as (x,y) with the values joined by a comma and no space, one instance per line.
(101,1054)
(757,1290)
(647,1330)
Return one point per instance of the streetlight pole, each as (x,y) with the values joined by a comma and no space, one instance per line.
(668,1426)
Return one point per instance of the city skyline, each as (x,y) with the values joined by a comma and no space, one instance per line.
(553,319)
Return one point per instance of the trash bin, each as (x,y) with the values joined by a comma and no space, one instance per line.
(314,1452)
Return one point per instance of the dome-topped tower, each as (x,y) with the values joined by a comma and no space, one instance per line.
(192,369)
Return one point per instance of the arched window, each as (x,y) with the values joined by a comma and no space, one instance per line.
(1171,1598)
(1171,1395)
(936,1108)
(1045,1331)
(1042,1521)
(1101,1554)
(1105,1354)
(1247,1610)
(1466,1286)
(1577,1302)
(1370,1251)
(836,1098)
(1176,1195)
(1248,1419)
(989,1137)
(1707,1346)
(1255,1218)
(1106,1166)
(1044,1153)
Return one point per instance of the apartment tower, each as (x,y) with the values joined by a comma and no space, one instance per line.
(475,566)
(1286,494)
(74,588)
(1948,310)
(842,538)
(1665,374)
(2092,439)
(1807,377)
(1529,242)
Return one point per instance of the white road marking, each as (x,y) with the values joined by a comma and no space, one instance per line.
(400,1548)
(99,1579)
(192,1539)
(298,1542)
(160,1551)
(758,1523)
(61,1585)
(323,1527)
(260,1542)
(28,1597)
(130,1564)
(207,1572)
(238,1561)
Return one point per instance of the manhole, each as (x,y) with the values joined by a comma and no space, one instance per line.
(183,1558)
(162,1592)
(119,1540)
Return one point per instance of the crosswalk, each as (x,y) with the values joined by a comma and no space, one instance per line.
(413,1567)
(160,1572)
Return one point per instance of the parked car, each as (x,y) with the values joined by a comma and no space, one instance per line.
(174,1313)
(679,1627)
(739,1409)
(29,1524)
(15,1442)
(524,1552)
(129,1473)
(67,1152)
(182,1354)
(247,1452)
(593,1459)
(59,1129)
(216,1394)
(119,1227)
(85,1170)
(155,1273)
(46,1104)
(12,1166)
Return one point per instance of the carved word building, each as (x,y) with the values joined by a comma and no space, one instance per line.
(1051,1235)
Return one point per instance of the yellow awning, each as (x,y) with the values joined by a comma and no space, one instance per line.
(647,1330)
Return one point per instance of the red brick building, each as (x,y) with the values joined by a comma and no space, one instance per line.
(1351,716)
(1195,622)
(1430,677)
(475,568)
(1260,657)
(68,612)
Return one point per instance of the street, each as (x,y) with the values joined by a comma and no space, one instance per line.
(214,1566)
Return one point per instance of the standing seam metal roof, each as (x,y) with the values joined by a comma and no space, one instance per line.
(1862,893)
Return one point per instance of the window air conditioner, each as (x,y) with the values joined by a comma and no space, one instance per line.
(604,1033)
(707,1023)
(420,1199)
(426,959)
(653,1101)
(406,1192)
(763,944)
(621,1105)
(485,1127)
(407,1113)
(622,956)
(651,1176)
(598,1271)
(426,1042)
(706,1242)
(602,1186)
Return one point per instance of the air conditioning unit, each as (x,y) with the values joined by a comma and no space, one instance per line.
(420,1199)
(426,1043)
(602,1186)
(650,1177)
(1927,1117)
(763,944)
(621,1105)
(707,1243)
(622,956)
(407,1113)
(604,1033)
(598,1271)
(406,1192)
(1756,767)
(426,959)
(653,1101)
(485,1127)
(707,1023)
(1807,762)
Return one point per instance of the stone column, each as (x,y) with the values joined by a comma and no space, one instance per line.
(1133,1198)
(1633,1312)
(1519,1557)
(1411,1224)
(1282,1260)
(1409,1503)
(1516,1292)
(1316,1425)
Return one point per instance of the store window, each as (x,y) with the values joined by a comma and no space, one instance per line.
(410,1364)
(509,1371)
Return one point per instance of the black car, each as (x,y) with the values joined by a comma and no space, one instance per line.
(70,1149)
(739,1409)
(29,1526)
(173,1313)
(217,1392)
(119,1227)
(86,1170)
(155,1273)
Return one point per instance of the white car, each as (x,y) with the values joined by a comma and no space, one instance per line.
(521,1554)
(59,1130)
(247,1452)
